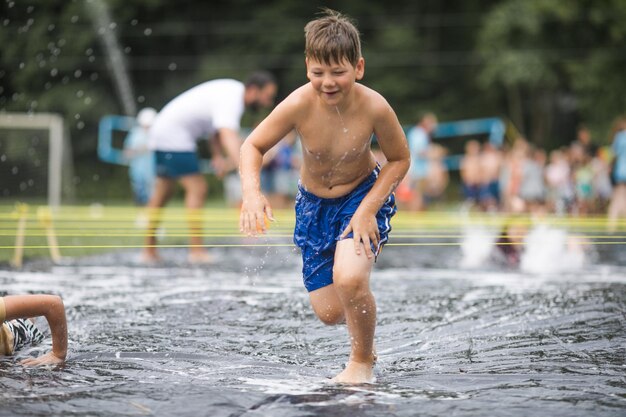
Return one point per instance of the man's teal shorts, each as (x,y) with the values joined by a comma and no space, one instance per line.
(176,164)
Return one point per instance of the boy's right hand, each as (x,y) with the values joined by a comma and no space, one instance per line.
(253,213)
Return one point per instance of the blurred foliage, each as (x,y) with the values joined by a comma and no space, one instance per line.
(547,65)
(556,64)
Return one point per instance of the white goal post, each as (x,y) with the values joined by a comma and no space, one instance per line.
(59,153)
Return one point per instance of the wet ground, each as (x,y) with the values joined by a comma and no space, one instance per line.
(238,338)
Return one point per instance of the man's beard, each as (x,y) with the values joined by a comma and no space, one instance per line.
(254,106)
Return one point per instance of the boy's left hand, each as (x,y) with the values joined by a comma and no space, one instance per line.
(364,230)
(48,359)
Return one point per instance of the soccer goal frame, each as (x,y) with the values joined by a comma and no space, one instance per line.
(59,151)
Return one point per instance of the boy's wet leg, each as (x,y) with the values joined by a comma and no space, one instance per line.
(351,274)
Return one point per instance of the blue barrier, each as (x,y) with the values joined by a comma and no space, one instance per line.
(108,124)
(493,127)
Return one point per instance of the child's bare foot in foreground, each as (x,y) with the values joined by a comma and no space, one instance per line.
(356,373)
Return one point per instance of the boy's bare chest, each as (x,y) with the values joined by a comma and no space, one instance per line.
(331,140)
(326,147)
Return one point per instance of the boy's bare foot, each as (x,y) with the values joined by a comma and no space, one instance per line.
(356,373)
(199,258)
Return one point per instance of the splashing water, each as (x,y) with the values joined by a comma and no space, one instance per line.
(343,125)
(477,246)
(544,250)
(548,250)
(187,341)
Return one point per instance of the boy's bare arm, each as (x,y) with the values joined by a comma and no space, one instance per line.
(52,308)
(394,146)
(267,134)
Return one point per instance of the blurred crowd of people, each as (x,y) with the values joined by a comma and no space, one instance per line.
(581,178)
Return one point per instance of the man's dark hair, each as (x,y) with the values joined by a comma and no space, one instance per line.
(260,79)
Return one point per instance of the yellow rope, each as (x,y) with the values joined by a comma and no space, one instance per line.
(102,222)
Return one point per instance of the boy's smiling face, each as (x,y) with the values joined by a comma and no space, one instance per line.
(333,82)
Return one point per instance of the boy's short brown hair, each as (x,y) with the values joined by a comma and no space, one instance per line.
(332,38)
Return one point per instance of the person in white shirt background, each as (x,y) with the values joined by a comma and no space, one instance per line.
(210,110)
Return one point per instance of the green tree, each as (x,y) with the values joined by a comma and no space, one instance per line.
(549,59)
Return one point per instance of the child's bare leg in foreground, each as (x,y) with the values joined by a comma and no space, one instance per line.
(350,298)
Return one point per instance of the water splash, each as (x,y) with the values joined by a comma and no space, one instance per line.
(549,250)
(477,246)
(104,27)
(343,125)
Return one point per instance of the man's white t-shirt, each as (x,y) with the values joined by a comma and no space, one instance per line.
(196,114)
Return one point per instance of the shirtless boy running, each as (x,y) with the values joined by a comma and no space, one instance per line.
(345,200)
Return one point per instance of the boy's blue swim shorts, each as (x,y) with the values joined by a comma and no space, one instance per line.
(320,222)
